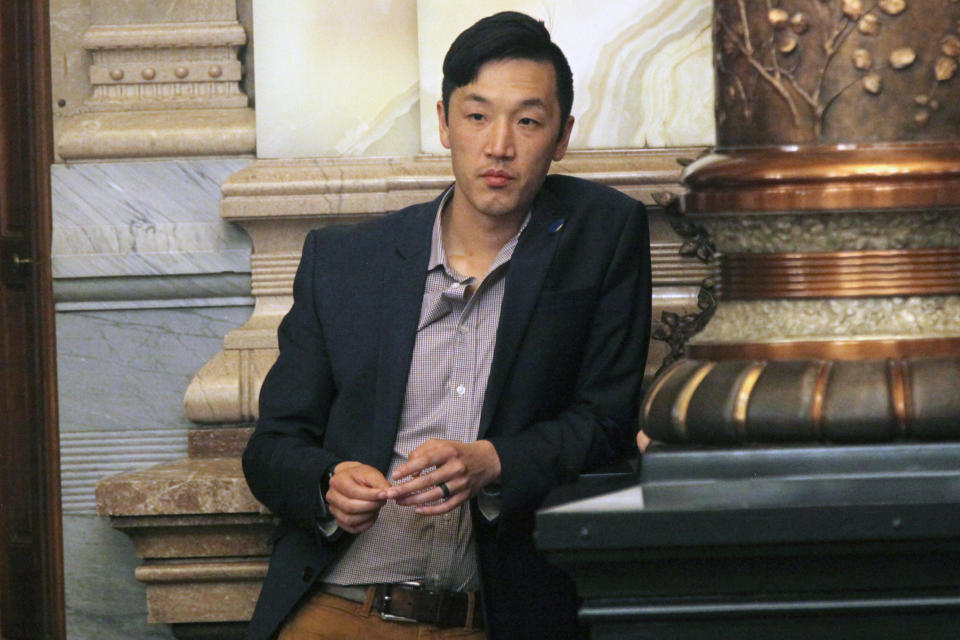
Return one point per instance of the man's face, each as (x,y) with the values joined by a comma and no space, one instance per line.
(503,130)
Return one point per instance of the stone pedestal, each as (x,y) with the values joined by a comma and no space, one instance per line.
(201,535)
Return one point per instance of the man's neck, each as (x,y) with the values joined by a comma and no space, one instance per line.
(472,242)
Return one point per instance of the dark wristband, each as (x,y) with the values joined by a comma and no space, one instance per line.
(323,513)
(327,477)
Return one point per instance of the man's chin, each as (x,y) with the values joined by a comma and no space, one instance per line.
(501,208)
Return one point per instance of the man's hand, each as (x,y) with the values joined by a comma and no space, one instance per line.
(357,491)
(465,467)
(642,441)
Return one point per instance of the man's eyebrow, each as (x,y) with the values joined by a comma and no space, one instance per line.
(534,102)
(475,97)
(528,102)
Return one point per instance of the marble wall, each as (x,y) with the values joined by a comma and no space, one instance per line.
(148,279)
(642,72)
(123,219)
(336,78)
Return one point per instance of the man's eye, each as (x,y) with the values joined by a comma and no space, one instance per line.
(476,116)
(528,122)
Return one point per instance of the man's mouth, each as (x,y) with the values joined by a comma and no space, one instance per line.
(496,178)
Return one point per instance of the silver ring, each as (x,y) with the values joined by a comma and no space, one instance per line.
(446,490)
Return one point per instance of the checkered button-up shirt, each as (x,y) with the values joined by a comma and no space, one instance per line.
(445,390)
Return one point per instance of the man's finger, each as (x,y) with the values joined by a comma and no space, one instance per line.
(433,494)
(432,453)
(451,470)
(351,505)
(412,486)
(446,506)
(353,523)
(359,481)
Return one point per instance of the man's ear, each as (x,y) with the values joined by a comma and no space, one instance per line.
(561,149)
(444,127)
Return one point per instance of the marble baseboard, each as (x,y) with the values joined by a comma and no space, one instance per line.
(152,292)
(103,598)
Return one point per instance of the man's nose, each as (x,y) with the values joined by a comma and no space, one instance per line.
(500,142)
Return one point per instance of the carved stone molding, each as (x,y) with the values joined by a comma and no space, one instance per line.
(165,89)
(166,66)
(278,201)
(158,134)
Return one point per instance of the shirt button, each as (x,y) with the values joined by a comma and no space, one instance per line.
(461,390)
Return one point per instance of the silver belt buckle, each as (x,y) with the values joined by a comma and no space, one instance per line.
(389,617)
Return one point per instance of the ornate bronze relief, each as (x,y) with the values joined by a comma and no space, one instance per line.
(823,72)
(676,329)
(838,130)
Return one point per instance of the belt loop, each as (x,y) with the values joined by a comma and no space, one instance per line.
(471,607)
(368,603)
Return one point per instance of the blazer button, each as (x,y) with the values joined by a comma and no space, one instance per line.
(307,573)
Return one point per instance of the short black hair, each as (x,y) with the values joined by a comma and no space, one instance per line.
(508,35)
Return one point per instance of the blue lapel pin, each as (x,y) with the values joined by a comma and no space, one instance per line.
(556,225)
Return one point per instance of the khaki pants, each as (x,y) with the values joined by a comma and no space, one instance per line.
(328,617)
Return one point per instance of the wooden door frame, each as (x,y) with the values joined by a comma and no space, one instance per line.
(28,23)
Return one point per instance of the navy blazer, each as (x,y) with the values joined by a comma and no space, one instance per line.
(561,398)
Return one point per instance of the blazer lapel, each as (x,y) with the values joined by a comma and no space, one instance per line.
(528,267)
(404,279)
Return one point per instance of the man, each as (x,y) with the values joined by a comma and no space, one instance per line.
(445,366)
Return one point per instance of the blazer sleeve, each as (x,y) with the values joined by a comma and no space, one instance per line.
(598,424)
(284,460)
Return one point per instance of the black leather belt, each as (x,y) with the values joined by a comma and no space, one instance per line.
(412,602)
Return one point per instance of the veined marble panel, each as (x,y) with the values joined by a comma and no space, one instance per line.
(144,218)
(127,370)
(362,77)
(642,69)
(337,77)
(104,600)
